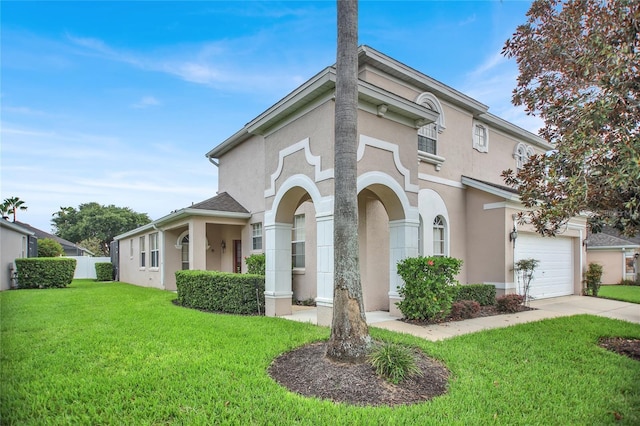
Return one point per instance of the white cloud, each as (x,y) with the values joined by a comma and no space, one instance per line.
(146,102)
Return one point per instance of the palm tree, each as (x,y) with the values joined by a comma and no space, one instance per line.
(350,340)
(11,206)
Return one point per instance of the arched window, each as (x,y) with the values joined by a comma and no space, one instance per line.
(521,153)
(185,252)
(439,237)
(428,135)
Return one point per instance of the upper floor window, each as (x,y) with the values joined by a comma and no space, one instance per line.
(297,241)
(428,138)
(439,236)
(143,253)
(428,135)
(256,236)
(481,137)
(521,153)
(154,250)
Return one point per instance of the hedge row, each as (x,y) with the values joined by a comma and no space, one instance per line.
(45,272)
(221,292)
(484,294)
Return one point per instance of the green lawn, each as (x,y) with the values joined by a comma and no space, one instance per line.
(626,293)
(112,353)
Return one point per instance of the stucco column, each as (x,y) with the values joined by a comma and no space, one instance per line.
(197,245)
(278,269)
(324,259)
(403,243)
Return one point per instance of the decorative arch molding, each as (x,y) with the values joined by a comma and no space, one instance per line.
(430,100)
(313,160)
(431,205)
(373,179)
(323,205)
(395,150)
(181,237)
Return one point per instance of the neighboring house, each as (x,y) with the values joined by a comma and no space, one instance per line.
(16,242)
(618,255)
(70,249)
(429,165)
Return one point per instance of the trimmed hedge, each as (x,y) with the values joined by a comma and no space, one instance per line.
(104,271)
(484,294)
(221,292)
(45,272)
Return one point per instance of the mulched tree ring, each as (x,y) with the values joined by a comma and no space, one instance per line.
(308,372)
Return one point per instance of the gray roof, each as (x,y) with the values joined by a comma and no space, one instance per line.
(610,237)
(222,202)
(40,234)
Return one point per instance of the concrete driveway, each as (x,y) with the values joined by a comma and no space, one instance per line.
(544,308)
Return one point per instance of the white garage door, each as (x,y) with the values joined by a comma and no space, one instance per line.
(554,275)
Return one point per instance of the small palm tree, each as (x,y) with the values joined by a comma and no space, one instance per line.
(10,206)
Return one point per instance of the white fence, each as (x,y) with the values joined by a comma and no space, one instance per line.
(86,266)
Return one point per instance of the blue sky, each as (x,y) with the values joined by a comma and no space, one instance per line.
(118,102)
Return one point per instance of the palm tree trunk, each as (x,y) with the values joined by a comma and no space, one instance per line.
(350,338)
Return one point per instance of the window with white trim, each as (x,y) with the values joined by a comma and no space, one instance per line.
(428,139)
(439,236)
(184,252)
(481,137)
(256,236)
(297,241)
(154,250)
(143,253)
(521,153)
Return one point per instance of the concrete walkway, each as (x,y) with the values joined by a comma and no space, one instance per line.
(544,308)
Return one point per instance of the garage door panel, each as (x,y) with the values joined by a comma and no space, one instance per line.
(554,275)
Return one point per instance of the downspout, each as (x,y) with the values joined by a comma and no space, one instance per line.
(214,162)
(162,256)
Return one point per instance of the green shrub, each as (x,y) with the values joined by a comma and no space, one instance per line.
(256,264)
(394,362)
(45,272)
(429,286)
(630,282)
(221,292)
(48,247)
(509,303)
(593,279)
(104,271)
(484,294)
(464,309)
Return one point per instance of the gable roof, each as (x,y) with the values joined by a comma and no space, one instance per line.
(222,202)
(222,205)
(611,238)
(15,227)
(322,87)
(40,234)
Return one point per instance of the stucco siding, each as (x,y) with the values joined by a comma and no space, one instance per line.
(612,262)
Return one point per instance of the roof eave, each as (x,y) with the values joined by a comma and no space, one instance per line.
(509,196)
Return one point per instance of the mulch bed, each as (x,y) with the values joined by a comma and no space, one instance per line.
(308,372)
(485,311)
(622,346)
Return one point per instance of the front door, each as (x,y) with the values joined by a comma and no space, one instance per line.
(237,256)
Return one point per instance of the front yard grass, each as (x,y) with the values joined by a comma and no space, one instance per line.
(625,293)
(113,353)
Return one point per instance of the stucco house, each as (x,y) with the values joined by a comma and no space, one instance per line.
(69,248)
(16,242)
(429,165)
(618,254)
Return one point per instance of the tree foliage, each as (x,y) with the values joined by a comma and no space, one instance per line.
(95,221)
(10,206)
(579,63)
